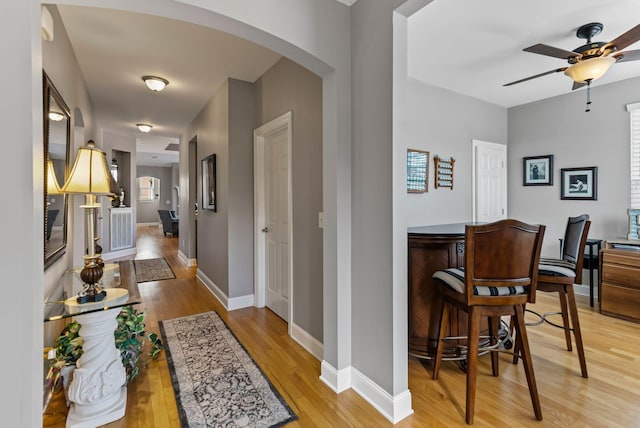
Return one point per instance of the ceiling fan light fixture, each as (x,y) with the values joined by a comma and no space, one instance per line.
(144,127)
(155,83)
(590,69)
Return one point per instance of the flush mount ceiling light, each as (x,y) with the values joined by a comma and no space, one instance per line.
(56,116)
(155,83)
(144,127)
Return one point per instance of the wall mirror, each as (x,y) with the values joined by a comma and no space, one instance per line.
(417,171)
(57,128)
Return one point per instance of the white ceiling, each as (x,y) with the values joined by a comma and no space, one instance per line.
(474,47)
(467,46)
(115,49)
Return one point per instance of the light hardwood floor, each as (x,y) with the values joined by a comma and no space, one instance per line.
(609,398)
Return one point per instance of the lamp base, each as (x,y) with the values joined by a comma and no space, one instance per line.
(90,298)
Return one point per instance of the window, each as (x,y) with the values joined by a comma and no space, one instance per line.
(634,112)
(147,189)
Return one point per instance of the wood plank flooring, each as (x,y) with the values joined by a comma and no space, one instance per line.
(609,398)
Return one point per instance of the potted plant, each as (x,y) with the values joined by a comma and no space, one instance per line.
(130,338)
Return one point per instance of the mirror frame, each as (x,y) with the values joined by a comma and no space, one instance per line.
(48,92)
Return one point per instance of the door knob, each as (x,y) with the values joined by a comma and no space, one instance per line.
(265,230)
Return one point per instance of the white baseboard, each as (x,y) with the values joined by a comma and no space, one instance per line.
(394,408)
(337,380)
(307,341)
(187,261)
(120,254)
(155,223)
(229,304)
(240,302)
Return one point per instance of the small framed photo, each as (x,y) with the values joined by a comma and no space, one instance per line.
(209,183)
(537,171)
(579,183)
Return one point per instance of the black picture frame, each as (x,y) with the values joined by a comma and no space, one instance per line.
(579,183)
(209,183)
(537,171)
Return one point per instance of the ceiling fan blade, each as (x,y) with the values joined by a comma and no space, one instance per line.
(578,85)
(557,70)
(551,51)
(627,56)
(626,39)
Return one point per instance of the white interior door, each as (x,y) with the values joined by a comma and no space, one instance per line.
(273,215)
(489,181)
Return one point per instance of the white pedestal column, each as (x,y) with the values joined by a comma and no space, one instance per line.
(97,391)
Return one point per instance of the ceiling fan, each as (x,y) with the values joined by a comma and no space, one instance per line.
(591,60)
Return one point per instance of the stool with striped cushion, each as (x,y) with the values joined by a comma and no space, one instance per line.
(499,278)
(559,276)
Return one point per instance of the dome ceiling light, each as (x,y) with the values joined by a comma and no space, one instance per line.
(155,83)
(144,127)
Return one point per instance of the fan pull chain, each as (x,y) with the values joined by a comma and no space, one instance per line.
(588,109)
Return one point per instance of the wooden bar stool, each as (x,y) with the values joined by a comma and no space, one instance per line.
(559,276)
(499,278)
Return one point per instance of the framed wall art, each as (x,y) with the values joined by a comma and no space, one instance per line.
(417,171)
(209,183)
(579,183)
(537,171)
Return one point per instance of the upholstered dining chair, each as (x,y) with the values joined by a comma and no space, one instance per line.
(499,278)
(559,276)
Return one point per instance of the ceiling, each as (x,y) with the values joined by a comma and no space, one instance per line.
(474,47)
(114,49)
(470,47)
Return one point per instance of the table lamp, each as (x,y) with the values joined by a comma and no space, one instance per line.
(90,176)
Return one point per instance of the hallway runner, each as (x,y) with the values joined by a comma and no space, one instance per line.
(216,382)
(152,270)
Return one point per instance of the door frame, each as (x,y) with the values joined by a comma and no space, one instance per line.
(476,145)
(259,136)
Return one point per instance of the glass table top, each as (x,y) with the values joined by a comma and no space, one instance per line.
(118,280)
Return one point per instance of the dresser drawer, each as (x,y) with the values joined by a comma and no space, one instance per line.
(621,257)
(620,302)
(621,275)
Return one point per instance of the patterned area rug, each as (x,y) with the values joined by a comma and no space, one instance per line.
(152,270)
(216,382)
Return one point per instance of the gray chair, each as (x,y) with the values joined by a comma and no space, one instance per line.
(169,222)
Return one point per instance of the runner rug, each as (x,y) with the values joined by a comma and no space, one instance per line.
(152,270)
(216,382)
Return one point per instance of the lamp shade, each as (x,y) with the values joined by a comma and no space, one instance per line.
(589,69)
(90,173)
(53,188)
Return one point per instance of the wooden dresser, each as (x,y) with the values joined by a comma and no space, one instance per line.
(620,279)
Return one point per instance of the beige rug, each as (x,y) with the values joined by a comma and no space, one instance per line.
(152,270)
(216,382)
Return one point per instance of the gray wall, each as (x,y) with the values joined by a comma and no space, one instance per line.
(560,126)
(240,187)
(59,62)
(147,212)
(211,126)
(290,87)
(371,221)
(444,123)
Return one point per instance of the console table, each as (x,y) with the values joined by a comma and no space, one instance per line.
(97,389)
(430,249)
